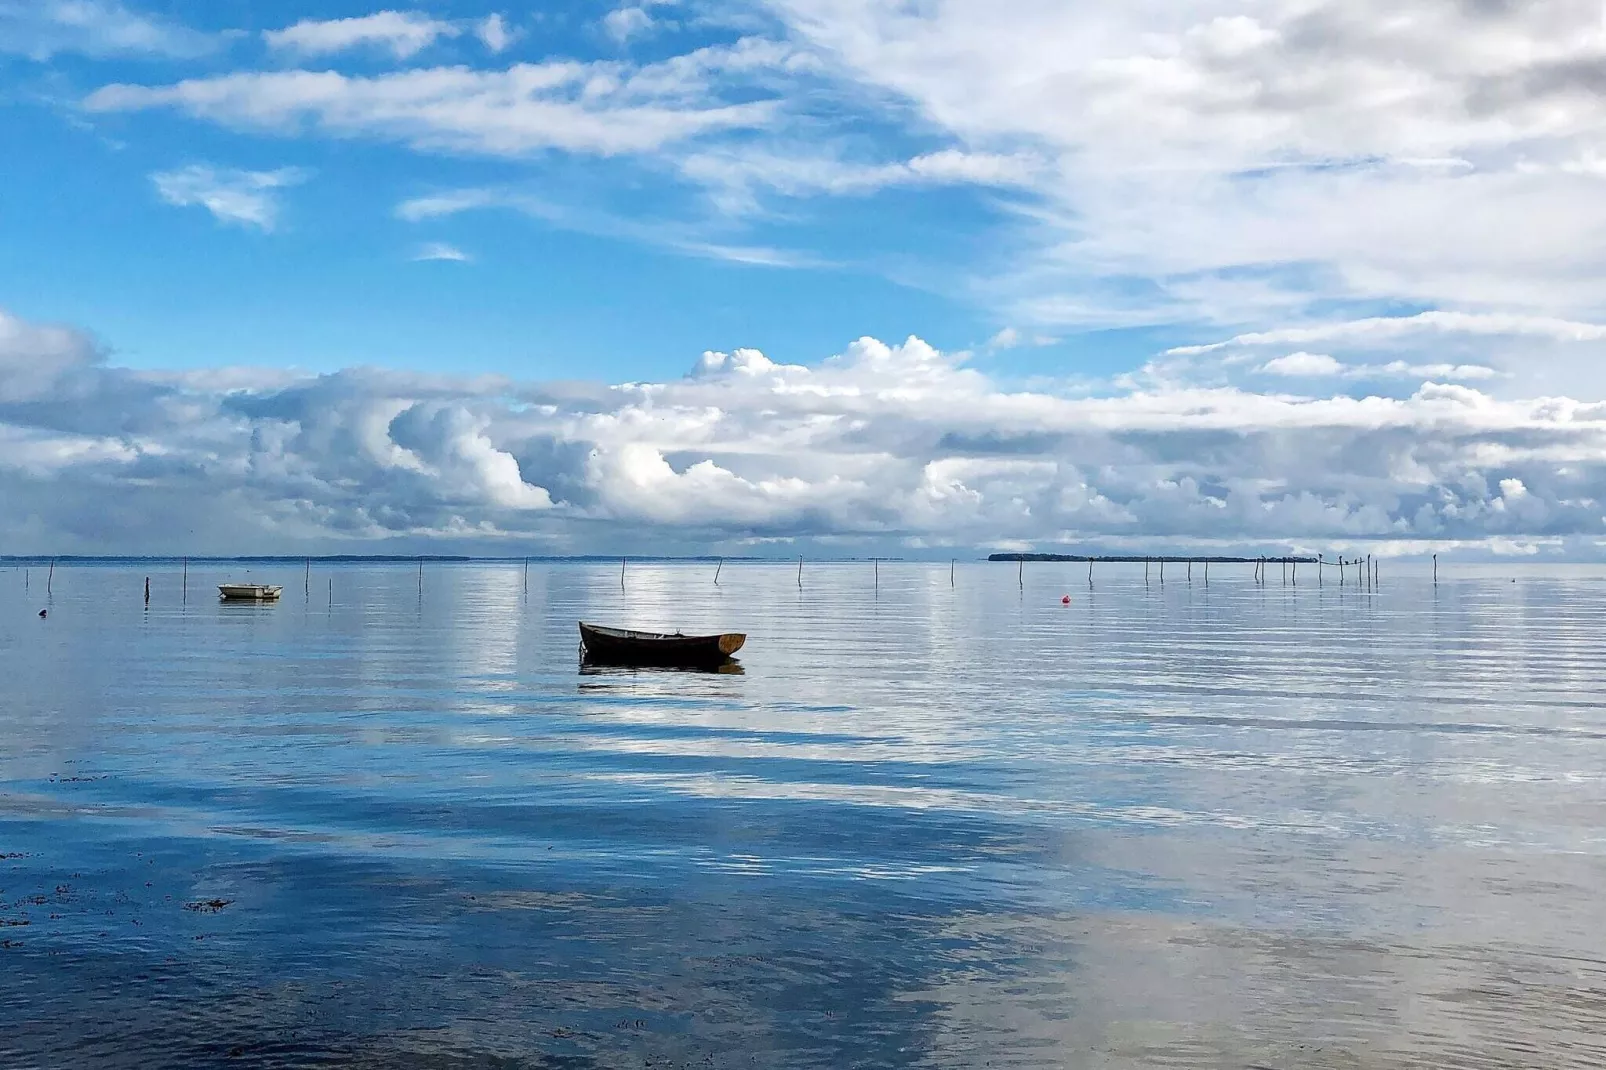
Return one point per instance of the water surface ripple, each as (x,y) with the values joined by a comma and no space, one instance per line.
(389,822)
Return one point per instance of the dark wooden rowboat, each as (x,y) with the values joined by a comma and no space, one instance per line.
(620,646)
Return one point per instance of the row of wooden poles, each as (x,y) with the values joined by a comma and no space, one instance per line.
(1367,572)
(1367,569)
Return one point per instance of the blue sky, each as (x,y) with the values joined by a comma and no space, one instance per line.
(854,275)
(334,280)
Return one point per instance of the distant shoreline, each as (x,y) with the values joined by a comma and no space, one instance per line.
(1139,559)
(413,559)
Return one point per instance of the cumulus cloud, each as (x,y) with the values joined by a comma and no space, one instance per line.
(603,108)
(880,446)
(249,198)
(40,29)
(402,33)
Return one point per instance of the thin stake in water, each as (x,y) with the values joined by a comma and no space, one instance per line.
(717,569)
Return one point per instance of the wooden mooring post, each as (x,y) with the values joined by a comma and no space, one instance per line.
(147,590)
(800,573)
(50,579)
(717,570)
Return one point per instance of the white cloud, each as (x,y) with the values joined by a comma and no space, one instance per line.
(1382,330)
(683,238)
(883,445)
(736,174)
(441,205)
(630,21)
(232,196)
(437,250)
(1214,162)
(41,29)
(1013,338)
(625,23)
(1303,364)
(602,108)
(403,33)
(494,33)
(1320,365)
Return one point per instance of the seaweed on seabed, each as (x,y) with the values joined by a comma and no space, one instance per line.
(208,906)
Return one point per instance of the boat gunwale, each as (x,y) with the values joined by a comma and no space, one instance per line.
(656,645)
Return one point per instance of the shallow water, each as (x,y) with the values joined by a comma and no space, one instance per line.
(934,823)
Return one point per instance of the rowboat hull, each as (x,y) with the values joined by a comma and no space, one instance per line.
(249,592)
(620,646)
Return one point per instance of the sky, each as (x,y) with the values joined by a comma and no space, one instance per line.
(920,278)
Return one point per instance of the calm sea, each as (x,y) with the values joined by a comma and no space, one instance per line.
(388,822)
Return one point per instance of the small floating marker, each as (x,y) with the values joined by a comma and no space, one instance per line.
(1066,600)
(43,613)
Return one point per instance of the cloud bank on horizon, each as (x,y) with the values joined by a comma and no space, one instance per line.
(881,446)
(1363,242)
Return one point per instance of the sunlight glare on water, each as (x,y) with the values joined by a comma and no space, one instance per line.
(390,822)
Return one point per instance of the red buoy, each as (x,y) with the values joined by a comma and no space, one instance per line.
(1065,601)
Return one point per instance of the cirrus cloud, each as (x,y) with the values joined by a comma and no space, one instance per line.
(232,196)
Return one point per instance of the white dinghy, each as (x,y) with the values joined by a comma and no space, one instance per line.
(249,592)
